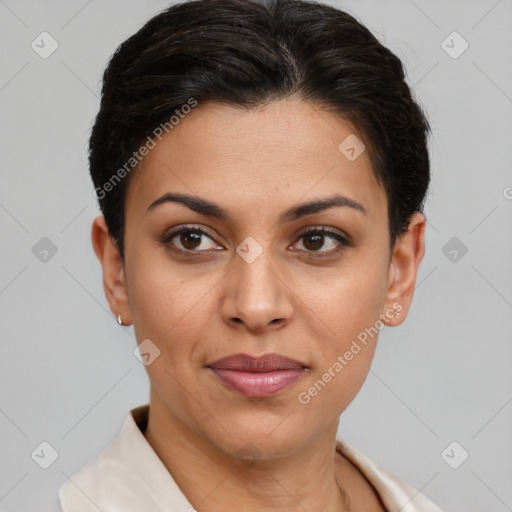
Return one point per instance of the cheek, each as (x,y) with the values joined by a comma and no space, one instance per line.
(173,308)
(344,360)
(162,295)
(349,300)
(170,311)
(351,308)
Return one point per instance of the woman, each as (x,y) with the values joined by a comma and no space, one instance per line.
(261,168)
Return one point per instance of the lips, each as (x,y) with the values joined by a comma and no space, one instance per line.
(257,377)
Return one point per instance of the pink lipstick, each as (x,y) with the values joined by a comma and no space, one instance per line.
(257,377)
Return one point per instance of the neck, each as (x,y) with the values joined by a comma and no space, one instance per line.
(214,481)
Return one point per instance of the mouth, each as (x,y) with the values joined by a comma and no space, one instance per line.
(257,377)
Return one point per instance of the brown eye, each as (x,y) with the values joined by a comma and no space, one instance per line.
(314,240)
(189,239)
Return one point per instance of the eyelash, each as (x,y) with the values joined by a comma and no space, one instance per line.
(344,242)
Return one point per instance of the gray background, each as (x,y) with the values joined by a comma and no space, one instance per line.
(68,374)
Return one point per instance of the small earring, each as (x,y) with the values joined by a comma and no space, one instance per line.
(397,314)
(119,321)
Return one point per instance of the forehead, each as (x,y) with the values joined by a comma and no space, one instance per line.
(277,154)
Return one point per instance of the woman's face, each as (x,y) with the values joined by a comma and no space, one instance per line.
(250,283)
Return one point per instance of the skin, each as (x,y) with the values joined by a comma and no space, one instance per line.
(257,164)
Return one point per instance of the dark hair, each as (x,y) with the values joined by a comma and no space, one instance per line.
(247,53)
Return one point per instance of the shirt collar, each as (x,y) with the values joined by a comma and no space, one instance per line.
(393,492)
(129,473)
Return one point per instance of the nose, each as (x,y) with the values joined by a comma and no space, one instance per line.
(257,296)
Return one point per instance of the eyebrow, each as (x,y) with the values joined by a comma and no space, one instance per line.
(205,207)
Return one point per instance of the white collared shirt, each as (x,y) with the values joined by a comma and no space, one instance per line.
(128,476)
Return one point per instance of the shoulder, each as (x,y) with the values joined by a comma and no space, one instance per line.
(127,475)
(395,493)
(104,483)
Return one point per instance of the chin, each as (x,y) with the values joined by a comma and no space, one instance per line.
(255,438)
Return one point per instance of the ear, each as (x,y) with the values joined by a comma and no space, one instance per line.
(405,260)
(114,282)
